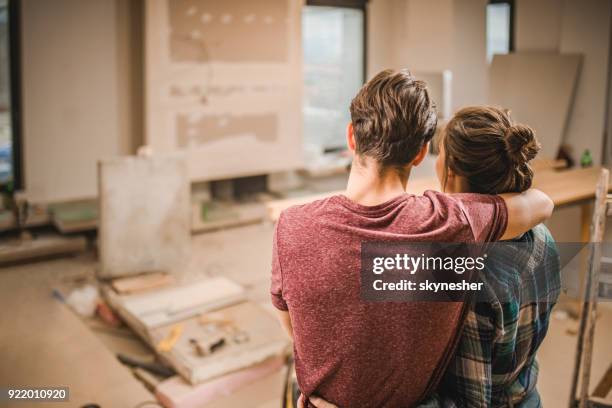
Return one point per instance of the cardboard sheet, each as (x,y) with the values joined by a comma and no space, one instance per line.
(538,88)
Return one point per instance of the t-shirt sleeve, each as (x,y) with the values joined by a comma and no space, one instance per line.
(276,282)
(486,214)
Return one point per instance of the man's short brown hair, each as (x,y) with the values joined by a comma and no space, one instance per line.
(393,116)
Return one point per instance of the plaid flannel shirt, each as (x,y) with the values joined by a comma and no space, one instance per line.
(495,361)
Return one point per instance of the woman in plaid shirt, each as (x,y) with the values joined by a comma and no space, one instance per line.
(483,151)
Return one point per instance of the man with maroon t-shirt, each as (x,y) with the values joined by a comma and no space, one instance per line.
(379,354)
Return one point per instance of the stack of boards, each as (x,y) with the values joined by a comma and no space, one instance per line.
(156,312)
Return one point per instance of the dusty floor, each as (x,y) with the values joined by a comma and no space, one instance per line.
(242,254)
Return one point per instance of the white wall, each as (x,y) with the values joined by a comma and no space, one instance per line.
(574,27)
(73,95)
(538,25)
(423,46)
(470,67)
(586,30)
(425,35)
(380,36)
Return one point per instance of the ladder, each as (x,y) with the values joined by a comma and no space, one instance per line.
(594,288)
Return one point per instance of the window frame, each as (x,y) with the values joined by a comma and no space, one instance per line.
(353,4)
(14,32)
(512,5)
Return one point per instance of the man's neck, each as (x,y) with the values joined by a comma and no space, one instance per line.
(366,186)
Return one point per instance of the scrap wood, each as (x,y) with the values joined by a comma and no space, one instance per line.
(173,304)
(142,283)
(208,345)
(224,323)
(167,343)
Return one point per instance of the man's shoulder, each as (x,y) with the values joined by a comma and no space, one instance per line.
(306,214)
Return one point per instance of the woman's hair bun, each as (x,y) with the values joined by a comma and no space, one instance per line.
(521,144)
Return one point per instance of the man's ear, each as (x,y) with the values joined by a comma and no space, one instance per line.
(350,138)
(421,154)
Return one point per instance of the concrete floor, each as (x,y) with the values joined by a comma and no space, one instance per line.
(242,254)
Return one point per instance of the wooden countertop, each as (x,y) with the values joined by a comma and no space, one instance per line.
(563,186)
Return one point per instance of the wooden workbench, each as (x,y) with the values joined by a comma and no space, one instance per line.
(564,187)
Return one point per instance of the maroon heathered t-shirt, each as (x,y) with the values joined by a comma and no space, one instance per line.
(369,354)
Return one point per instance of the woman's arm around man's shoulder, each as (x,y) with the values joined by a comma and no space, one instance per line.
(525,211)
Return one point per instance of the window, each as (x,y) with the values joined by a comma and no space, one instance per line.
(334,58)
(499,28)
(10,141)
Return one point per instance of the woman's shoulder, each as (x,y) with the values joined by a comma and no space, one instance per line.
(542,237)
(539,233)
(542,233)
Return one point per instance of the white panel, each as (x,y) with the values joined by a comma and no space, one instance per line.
(538,88)
(224,84)
(70,95)
(144,215)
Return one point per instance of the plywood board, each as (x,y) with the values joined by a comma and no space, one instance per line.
(144,214)
(144,312)
(224,84)
(142,283)
(262,338)
(538,88)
